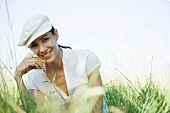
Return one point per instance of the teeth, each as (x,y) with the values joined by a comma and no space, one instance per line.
(47,54)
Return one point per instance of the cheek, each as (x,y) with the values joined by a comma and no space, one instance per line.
(54,41)
(55,51)
(54,44)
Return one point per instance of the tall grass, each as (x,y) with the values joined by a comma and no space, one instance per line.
(120,97)
(148,98)
(127,98)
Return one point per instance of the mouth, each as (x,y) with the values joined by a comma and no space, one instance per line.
(47,55)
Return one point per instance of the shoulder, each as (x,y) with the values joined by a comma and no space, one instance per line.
(85,56)
(78,53)
(87,53)
(84,52)
(91,59)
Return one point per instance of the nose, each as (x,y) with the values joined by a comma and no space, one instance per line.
(42,48)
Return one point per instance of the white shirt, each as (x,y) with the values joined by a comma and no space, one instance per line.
(78,64)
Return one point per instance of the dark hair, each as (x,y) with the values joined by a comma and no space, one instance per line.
(60,46)
(52,30)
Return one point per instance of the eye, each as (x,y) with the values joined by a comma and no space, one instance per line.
(33,45)
(45,39)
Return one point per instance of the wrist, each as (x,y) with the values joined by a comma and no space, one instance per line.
(17,75)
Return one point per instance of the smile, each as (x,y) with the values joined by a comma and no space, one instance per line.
(46,56)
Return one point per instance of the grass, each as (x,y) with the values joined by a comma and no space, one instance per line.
(148,98)
(120,97)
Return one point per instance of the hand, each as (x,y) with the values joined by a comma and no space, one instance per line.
(28,64)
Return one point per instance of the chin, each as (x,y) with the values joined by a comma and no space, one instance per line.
(49,61)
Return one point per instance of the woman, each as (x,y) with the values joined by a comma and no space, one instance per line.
(53,70)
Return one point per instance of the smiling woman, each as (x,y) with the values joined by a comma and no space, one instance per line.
(56,72)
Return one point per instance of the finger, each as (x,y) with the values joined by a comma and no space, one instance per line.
(36,61)
(42,62)
(37,66)
(44,65)
(33,66)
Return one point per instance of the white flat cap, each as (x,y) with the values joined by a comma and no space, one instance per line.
(34,27)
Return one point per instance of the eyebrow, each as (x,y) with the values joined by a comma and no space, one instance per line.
(43,37)
(32,43)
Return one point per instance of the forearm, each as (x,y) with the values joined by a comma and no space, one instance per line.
(25,97)
(98,107)
(95,82)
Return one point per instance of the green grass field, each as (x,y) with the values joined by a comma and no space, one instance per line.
(120,97)
(148,98)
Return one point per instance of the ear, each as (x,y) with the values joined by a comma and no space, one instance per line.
(56,34)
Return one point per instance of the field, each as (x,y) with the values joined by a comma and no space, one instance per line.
(121,98)
(129,98)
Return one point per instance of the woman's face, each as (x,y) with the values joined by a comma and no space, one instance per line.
(45,47)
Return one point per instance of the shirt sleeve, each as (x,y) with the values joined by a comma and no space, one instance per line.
(92,62)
